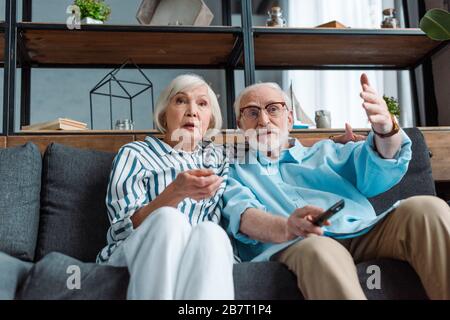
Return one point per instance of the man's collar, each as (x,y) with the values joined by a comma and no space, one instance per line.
(294,153)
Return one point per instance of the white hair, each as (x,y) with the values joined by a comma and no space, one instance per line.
(273,85)
(179,84)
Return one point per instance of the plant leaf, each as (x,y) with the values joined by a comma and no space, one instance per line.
(436,24)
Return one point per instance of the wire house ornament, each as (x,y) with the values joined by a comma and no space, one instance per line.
(112,77)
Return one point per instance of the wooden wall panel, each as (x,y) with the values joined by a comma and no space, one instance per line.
(439,144)
(2,142)
(438,140)
(107,143)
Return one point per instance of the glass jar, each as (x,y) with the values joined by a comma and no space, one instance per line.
(275,18)
(125,124)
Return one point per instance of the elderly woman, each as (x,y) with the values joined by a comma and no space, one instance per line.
(164,202)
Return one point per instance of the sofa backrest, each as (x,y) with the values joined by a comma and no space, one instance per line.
(20,185)
(417,181)
(73,216)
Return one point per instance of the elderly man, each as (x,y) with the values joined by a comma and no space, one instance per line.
(274,195)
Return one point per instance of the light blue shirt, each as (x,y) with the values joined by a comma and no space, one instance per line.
(319,175)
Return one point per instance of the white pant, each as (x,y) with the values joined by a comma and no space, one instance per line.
(169,259)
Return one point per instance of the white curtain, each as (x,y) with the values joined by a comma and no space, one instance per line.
(337,91)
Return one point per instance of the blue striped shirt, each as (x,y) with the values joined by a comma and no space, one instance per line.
(142,170)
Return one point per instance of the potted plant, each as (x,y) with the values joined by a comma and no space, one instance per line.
(93,11)
(436,24)
(392,105)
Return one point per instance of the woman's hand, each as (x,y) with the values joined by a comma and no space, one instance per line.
(196,184)
(300,223)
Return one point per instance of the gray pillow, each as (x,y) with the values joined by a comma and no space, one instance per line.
(20,186)
(73,219)
(12,274)
(53,278)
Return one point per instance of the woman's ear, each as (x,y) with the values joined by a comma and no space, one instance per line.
(212,123)
(163,120)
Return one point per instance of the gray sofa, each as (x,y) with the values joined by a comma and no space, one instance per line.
(53,215)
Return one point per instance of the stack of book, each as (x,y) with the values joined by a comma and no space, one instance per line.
(58,124)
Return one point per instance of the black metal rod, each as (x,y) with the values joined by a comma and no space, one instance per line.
(236,54)
(25,88)
(25,96)
(249,50)
(337,32)
(27,11)
(230,89)
(10,68)
(226,13)
(131,110)
(153,108)
(406,13)
(110,106)
(419,121)
(143,90)
(130,28)
(90,104)
(112,95)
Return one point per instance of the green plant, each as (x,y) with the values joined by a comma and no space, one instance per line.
(436,24)
(95,9)
(392,105)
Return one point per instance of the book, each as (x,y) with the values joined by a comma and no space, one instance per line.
(58,124)
(332,24)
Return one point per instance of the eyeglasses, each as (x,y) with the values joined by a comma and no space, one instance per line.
(273,110)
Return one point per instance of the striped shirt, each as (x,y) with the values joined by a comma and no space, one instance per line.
(143,169)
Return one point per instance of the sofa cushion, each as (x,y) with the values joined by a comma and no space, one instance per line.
(73,210)
(53,278)
(398,280)
(273,281)
(417,181)
(12,274)
(20,186)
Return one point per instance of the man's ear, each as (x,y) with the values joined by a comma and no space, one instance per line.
(238,123)
(291,120)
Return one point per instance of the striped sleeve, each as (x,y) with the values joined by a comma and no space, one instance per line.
(126,192)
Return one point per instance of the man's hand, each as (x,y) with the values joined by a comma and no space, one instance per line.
(381,121)
(375,107)
(300,223)
(348,136)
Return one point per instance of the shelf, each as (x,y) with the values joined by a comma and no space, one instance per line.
(299,48)
(47,45)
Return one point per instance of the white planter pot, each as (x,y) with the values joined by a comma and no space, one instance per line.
(91,21)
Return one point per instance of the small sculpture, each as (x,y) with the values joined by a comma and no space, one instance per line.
(390,21)
(323,119)
(275,18)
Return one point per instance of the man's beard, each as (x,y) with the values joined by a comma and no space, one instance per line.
(267,141)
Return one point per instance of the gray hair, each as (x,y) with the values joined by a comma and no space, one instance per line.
(186,82)
(273,85)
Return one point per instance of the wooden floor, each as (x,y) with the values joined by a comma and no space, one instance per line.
(437,139)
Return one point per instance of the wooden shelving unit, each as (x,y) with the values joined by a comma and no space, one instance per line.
(292,48)
(47,44)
